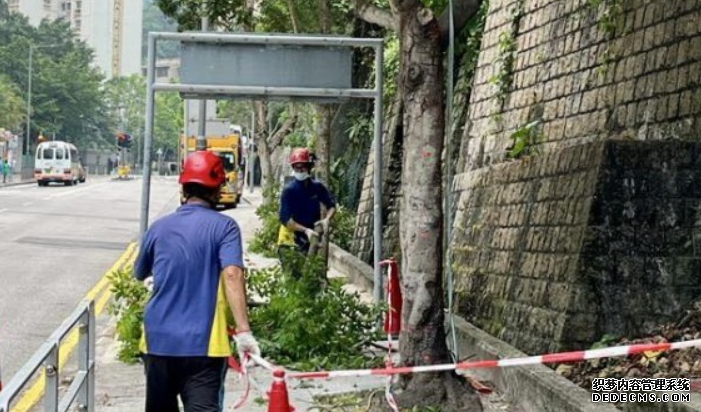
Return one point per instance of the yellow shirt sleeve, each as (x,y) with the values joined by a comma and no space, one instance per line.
(285,236)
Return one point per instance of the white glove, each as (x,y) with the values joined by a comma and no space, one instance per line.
(325,224)
(148,282)
(245,342)
(310,233)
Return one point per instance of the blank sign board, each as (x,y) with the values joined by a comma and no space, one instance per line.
(266,65)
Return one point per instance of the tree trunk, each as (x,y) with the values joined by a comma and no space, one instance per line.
(266,166)
(293,16)
(423,339)
(323,143)
(260,109)
(324,111)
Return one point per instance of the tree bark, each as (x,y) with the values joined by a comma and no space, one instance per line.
(324,111)
(421,228)
(260,109)
(324,16)
(323,143)
(375,15)
(293,15)
(264,151)
(423,339)
(277,138)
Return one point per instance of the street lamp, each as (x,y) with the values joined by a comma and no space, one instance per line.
(29,102)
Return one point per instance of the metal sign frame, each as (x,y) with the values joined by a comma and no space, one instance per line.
(208,91)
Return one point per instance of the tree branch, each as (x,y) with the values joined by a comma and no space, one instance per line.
(276,139)
(293,15)
(402,6)
(375,15)
(463,11)
(324,16)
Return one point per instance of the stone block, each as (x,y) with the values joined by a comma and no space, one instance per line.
(581,327)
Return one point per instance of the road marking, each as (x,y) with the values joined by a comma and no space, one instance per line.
(27,203)
(23,186)
(32,396)
(70,192)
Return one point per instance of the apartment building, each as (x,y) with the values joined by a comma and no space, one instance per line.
(111,27)
(165,70)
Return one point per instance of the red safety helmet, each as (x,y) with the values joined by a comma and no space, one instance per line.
(204,168)
(300,155)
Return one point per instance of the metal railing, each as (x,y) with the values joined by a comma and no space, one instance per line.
(46,359)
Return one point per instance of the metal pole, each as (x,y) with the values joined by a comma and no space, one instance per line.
(448,185)
(29,116)
(251,146)
(86,354)
(91,357)
(182,144)
(377,185)
(254,38)
(51,379)
(254,91)
(148,134)
(201,141)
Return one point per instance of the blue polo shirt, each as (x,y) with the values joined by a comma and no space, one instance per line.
(301,201)
(186,251)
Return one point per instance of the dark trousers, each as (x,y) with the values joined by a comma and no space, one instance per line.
(198,380)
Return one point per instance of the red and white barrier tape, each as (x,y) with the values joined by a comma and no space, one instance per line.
(243,373)
(561,357)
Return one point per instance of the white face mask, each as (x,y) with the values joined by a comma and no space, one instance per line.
(301,175)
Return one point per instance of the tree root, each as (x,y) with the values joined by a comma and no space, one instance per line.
(444,391)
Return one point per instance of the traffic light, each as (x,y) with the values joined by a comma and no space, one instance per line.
(124,140)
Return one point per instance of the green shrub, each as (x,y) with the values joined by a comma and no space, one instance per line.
(130,298)
(342,227)
(265,240)
(302,325)
(309,328)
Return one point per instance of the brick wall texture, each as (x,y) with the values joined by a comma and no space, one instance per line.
(362,246)
(598,232)
(586,83)
(552,253)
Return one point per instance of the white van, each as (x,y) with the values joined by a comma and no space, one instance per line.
(57,161)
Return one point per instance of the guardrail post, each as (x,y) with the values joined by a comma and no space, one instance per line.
(86,359)
(51,379)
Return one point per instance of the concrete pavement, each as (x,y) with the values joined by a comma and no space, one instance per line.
(16,180)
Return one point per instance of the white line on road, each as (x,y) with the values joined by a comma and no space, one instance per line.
(70,192)
(18,187)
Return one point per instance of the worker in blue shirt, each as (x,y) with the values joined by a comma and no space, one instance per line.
(195,258)
(300,208)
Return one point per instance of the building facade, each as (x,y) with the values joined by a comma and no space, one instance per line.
(112,28)
(166,70)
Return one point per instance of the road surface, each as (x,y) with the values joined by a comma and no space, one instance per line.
(56,242)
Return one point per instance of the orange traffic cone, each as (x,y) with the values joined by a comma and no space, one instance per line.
(279,401)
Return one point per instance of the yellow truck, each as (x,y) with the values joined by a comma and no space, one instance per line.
(228,147)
